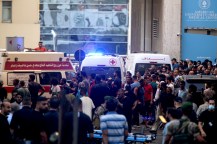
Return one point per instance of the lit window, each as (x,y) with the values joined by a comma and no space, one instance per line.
(6,11)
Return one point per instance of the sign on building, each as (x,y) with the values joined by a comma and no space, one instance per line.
(15,43)
(199,14)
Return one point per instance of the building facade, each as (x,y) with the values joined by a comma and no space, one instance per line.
(91,25)
(112,26)
(19,18)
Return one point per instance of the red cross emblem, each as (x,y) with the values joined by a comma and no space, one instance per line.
(112,62)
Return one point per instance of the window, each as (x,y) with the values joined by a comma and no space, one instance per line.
(147,67)
(6,11)
(94,25)
(46,77)
(70,75)
(21,76)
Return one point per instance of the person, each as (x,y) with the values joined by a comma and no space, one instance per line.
(51,117)
(114,126)
(192,93)
(208,122)
(171,114)
(3,91)
(14,107)
(27,124)
(80,85)
(135,83)
(148,101)
(55,88)
(18,100)
(117,80)
(41,105)
(182,92)
(16,85)
(139,104)
(23,91)
(13,96)
(125,105)
(190,130)
(87,103)
(204,106)
(139,77)
(154,83)
(98,92)
(178,102)
(85,125)
(178,106)
(209,92)
(100,110)
(5,135)
(34,88)
(170,83)
(166,99)
(174,63)
(85,80)
(65,89)
(40,47)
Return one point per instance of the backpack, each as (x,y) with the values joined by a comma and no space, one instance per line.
(182,136)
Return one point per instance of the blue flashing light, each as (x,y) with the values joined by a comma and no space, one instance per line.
(95,54)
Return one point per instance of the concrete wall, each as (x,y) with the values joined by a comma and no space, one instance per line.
(169,14)
(157,44)
(25,23)
(140,25)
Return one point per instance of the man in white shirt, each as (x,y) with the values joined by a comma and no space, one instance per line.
(170,83)
(182,91)
(87,103)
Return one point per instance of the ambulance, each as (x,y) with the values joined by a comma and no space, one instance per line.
(44,65)
(103,64)
(142,62)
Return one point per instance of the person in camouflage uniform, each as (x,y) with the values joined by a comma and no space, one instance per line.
(192,128)
(101,110)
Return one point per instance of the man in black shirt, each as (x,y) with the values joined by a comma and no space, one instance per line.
(98,92)
(117,79)
(3,91)
(27,124)
(51,117)
(208,122)
(34,88)
(42,105)
(5,135)
(125,105)
(178,106)
(85,126)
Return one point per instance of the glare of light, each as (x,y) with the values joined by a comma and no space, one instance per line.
(95,54)
(53,33)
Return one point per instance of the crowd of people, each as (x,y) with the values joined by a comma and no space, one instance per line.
(75,109)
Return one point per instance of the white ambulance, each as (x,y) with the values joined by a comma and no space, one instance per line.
(141,62)
(44,65)
(103,64)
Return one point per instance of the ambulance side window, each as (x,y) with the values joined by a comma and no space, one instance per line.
(70,75)
(46,77)
(18,75)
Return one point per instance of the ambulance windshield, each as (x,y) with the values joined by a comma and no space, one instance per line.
(103,71)
(148,67)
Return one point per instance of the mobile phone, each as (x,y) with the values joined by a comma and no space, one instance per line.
(163,120)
